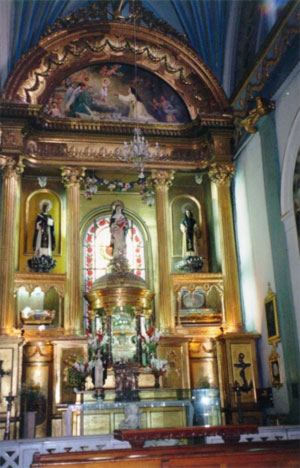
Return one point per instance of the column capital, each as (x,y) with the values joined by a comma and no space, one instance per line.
(221,174)
(72,175)
(11,167)
(162,179)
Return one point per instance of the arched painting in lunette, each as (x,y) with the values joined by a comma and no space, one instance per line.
(112,91)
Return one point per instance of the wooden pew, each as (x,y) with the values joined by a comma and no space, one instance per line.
(279,454)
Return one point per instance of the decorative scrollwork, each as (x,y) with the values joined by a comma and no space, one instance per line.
(263,107)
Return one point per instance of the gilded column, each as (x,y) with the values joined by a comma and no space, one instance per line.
(162,181)
(221,175)
(72,177)
(11,171)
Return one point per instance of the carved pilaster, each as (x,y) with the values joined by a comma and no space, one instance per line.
(11,171)
(72,177)
(221,175)
(162,180)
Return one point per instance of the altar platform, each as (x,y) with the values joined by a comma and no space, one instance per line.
(158,408)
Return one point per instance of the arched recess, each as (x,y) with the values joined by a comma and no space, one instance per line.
(136,221)
(177,213)
(32,208)
(287,211)
(74,47)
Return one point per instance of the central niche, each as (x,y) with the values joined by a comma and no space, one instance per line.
(113,91)
(97,254)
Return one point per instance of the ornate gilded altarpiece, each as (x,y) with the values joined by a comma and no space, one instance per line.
(64,115)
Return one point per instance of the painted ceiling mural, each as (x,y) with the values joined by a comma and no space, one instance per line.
(112,91)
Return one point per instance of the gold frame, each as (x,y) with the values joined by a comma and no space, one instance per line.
(271,317)
(275,372)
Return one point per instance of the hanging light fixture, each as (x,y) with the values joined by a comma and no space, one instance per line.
(138,150)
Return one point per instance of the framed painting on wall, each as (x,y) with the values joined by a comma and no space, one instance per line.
(271,317)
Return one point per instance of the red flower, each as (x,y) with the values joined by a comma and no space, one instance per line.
(137,250)
(89,239)
(138,260)
(102,222)
(138,273)
(150,332)
(89,249)
(90,272)
(89,260)
(133,230)
(137,239)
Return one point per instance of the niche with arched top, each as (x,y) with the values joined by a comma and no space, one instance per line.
(179,205)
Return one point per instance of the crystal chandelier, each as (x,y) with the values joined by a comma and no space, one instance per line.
(137,151)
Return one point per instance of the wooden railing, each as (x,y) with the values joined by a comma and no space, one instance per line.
(277,454)
(230,434)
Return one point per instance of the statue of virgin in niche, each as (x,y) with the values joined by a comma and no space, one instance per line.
(118,230)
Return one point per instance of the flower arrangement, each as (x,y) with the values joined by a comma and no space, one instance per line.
(96,341)
(158,367)
(77,370)
(91,187)
(151,339)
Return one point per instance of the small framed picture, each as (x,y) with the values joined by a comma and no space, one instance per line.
(271,317)
(275,373)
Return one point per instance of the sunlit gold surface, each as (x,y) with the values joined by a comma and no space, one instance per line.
(62,349)
(229,346)
(106,421)
(72,178)
(203,362)
(162,181)
(37,369)
(11,171)
(233,317)
(120,297)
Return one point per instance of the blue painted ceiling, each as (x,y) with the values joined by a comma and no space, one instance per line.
(226,34)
